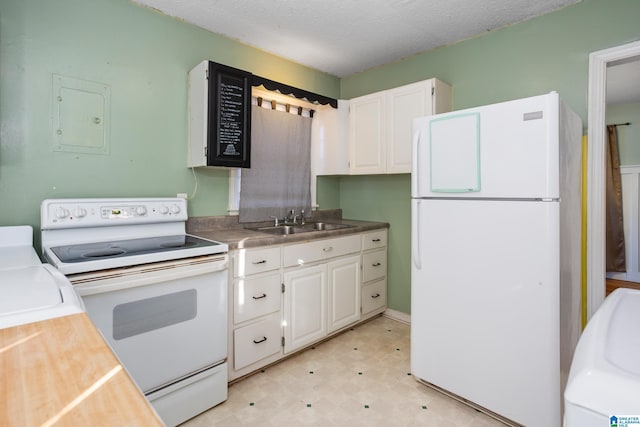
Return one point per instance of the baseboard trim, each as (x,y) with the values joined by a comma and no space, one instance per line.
(397,315)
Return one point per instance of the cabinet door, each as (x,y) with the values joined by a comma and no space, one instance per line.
(374,240)
(256,341)
(344,292)
(330,140)
(404,104)
(256,260)
(318,250)
(374,265)
(368,136)
(305,306)
(374,297)
(256,296)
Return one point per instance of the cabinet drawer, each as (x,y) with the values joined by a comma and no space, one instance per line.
(374,265)
(374,296)
(256,296)
(318,250)
(256,341)
(375,239)
(252,261)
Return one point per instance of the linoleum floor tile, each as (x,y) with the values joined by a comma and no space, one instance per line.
(358,378)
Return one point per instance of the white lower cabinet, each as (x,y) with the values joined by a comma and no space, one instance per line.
(305,306)
(257,341)
(374,297)
(344,292)
(374,273)
(256,296)
(286,297)
(255,309)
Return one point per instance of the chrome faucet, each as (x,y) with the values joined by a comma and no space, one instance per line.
(291,217)
(276,220)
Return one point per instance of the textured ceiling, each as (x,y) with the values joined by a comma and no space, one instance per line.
(343,37)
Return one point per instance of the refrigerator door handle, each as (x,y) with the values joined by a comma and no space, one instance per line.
(416,237)
(415,175)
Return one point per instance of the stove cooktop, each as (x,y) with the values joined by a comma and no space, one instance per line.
(124,248)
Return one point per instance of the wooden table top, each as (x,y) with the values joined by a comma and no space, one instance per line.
(61,372)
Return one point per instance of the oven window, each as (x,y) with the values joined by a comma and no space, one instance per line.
(138,317)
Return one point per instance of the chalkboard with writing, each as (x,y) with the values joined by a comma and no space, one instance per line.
(229,142)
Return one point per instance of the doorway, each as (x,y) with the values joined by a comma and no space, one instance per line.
(596,271)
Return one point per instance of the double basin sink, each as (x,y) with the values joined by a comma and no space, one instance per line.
(282,230)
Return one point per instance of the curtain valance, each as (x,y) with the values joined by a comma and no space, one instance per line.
(293,91)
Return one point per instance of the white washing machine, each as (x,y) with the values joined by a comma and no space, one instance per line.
(31,291)
(604,381)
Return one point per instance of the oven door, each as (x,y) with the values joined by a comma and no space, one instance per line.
(165,321)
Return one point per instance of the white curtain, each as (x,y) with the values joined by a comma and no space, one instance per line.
(279,177)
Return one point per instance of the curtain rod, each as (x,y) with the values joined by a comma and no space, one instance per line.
(621,124)
(287,106)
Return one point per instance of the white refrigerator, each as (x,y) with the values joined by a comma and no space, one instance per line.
(495,269)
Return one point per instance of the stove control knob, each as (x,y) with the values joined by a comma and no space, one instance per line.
(175,209)
(141,210)
(163,210)
(62,212)
(80,212)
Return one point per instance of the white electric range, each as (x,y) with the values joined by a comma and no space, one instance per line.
(157,294)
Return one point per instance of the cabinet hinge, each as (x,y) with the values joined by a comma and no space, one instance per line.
(283,288)
(282,341)
(206,74)
(205,151)
(433,91)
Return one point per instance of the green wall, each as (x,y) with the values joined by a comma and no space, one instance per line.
(385,198)
(144,56)
(628,136)
(531,58)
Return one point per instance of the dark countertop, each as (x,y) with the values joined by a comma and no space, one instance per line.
(228,230)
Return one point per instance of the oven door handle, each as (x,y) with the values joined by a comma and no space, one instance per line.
(115,280)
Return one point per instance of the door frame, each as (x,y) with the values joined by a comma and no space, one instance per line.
(596,184)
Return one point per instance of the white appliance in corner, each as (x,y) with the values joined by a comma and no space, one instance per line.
(495,276)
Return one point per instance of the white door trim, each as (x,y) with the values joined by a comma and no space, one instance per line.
(596,269)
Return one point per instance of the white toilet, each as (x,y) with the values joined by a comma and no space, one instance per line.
(604,380)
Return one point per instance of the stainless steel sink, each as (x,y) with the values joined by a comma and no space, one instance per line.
(325,226)
(283,230)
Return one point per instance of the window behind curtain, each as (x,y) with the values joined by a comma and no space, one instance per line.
(279,177)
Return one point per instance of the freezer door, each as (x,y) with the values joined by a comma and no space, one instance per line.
(484,304)
(506,150)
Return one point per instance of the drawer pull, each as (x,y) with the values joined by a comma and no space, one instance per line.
(260,297)
(375,240)
(376,264)
(372,296)
(328,249)
(260,340)
(264,261)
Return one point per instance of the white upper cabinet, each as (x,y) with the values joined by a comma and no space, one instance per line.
(380,125)
(367,139)
(371,134)
(330,140)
